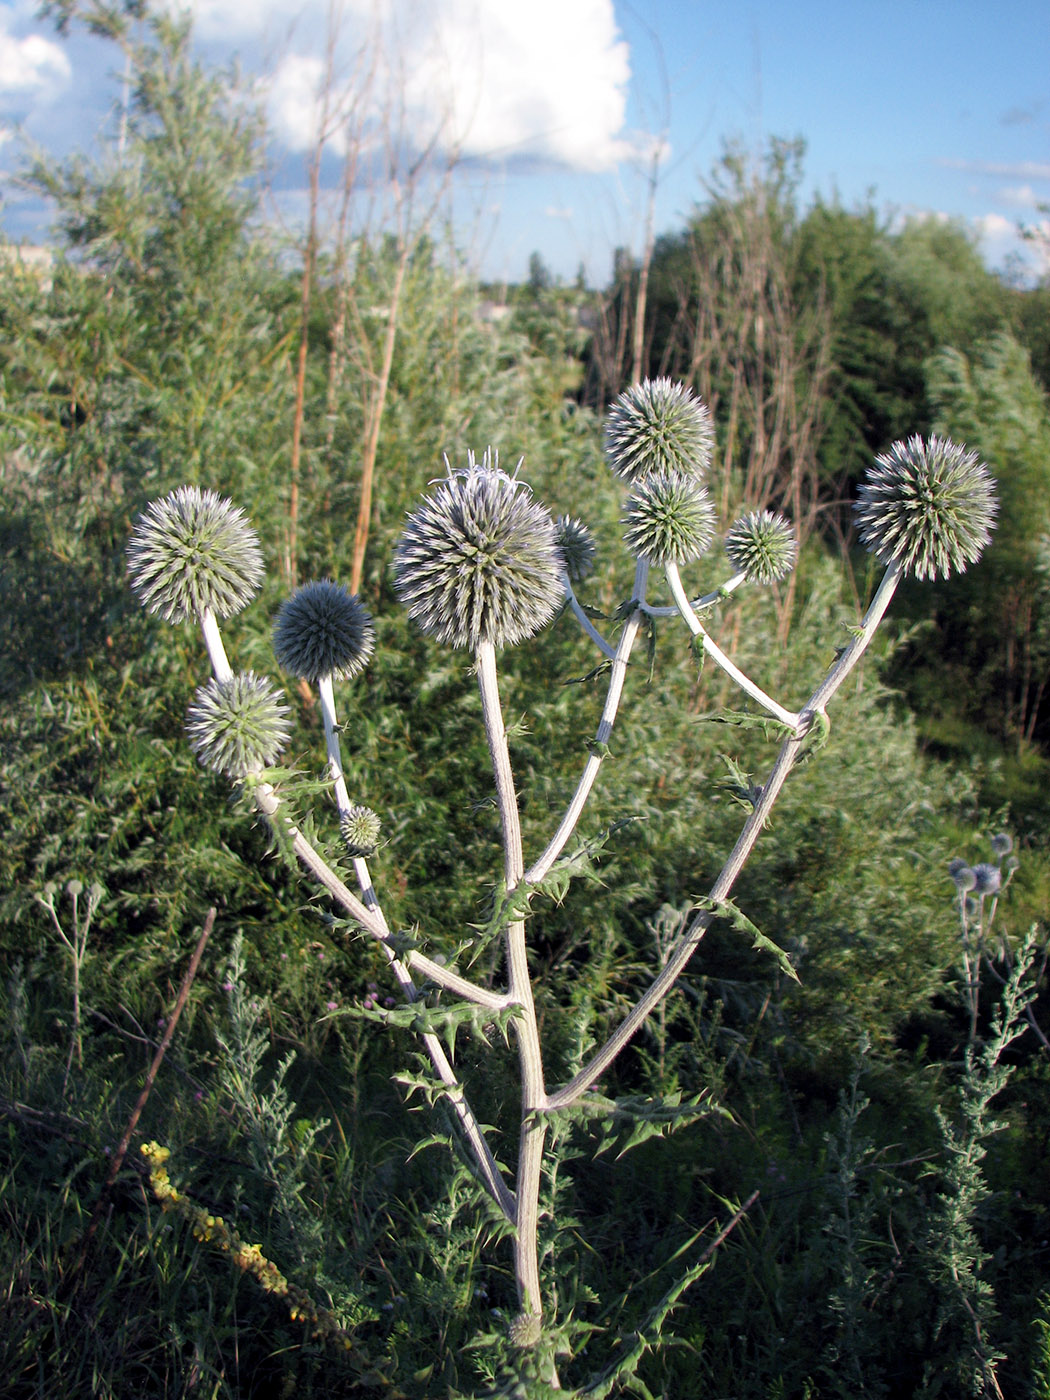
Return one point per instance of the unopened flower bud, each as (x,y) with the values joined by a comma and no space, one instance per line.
(323,630)
(928,507)
(479,560)
(670,519)
(360,829)
(194,552)
(237,726)
(658,426)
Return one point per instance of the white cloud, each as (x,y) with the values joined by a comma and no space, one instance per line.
(31,66)
(494,80)
(546,79)
(1019,196)
(1017,170)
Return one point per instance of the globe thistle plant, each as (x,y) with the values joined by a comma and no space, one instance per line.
(360,829)
(658,426)
(237,726)
(761,545)
(576,546)
(323,630)
(479,560)
(928,507)
(670,519)
(192,553)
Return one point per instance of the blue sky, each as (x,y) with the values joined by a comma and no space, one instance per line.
(929,107)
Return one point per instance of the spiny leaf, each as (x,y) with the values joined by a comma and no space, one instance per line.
(726,909)
(599,670)
(771,727)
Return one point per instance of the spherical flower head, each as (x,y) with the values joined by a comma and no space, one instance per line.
(670,519)
(576,546)
(360,829)
(658,426)
(928,507)
(193,552)
(479,560)
(962,876)
(238,726)
(987,879)
(762,546)
(323,630)
(1002,844)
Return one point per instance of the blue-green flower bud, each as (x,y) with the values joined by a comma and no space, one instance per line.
(323,630)
(576,546)
(987,879)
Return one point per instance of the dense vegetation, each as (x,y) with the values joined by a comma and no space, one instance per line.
(890,1111)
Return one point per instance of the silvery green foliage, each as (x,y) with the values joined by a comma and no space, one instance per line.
(323,630)
(237,726)
(360,829)
(670,518)
(761,545)
(576,546)
(658,426)
(192,552)
(928,507)
(479,561)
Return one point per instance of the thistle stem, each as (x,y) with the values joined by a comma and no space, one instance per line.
(556,845)
(220,664)
(326,692)
(584,621)
(689,940)
(519,987)
(717,655)
(708,600)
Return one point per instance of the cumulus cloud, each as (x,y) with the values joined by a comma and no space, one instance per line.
(494,81)
(31,67)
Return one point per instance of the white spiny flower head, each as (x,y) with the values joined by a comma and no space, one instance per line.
(670,518)
(576,546)
(238,726)
(192,552)
(928,507)
(479,561)
(761,545)
(323,630)
(658,426)
(360,829)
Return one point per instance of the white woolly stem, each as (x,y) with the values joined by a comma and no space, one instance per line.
(326,692)
(717,655)
(220,664)
(533,1092)
(709,600)
(621,656)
